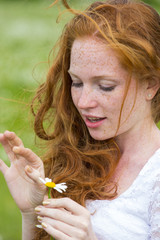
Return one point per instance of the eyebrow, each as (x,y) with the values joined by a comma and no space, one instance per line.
(98,77)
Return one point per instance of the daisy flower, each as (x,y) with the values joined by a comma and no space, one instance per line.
(61,187)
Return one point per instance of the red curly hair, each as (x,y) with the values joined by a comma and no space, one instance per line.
(133,30)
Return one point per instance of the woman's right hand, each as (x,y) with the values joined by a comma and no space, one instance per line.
(22,176)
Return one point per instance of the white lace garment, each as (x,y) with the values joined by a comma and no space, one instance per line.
(135,214)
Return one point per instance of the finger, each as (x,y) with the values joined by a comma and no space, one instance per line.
(54,232)
(58,214)
(34,175)
(28,155)
(3,167)
(64,228)
(9,140)
(13,139)
(1,137)
(7,147)
(69,205)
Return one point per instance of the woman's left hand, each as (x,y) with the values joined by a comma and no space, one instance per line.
(64,219)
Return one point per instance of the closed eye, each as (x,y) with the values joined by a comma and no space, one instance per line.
(74,84)
(107,89)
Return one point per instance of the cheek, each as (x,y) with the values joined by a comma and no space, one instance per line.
(112,103)
(75,96)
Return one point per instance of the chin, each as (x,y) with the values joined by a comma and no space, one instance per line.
(99,138)
(101,135)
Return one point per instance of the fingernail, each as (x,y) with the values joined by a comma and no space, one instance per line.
(38,226)
(40,218)
(29,169)
(15,149)
(44,225)
(46,202)
(38,209)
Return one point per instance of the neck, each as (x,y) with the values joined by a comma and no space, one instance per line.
(144,138)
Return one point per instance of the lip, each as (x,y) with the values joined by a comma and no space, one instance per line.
(93,124)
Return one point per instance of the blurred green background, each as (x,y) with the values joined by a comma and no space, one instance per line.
(28,31)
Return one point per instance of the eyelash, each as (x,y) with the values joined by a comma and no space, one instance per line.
(106,89)
(76,84)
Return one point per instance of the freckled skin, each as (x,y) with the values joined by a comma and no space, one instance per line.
(90,58)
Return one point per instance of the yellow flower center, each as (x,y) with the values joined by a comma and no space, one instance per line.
(50,184)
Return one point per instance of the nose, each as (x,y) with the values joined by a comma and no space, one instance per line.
(87,99)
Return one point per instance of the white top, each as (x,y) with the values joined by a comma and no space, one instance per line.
(135,214)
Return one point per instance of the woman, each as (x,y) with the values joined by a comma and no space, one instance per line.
(101,103)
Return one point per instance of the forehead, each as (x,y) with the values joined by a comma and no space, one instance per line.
(92,54)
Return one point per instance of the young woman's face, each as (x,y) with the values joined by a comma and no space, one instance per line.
(98,87)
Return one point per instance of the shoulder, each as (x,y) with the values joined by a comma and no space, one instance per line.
(153,176)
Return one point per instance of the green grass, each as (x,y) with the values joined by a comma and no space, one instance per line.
(28,32)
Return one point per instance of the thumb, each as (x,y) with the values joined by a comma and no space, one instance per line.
(3,167)
(34,175)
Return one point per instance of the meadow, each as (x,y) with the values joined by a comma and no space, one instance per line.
(28,33)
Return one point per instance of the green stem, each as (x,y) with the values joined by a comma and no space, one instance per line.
(49,196)
(49,193)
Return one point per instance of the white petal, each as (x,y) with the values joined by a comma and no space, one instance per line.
(42,180)
(58,189)
(61,187)
(48,180)
(64,188)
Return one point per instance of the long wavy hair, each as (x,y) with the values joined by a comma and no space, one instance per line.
(132,29)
